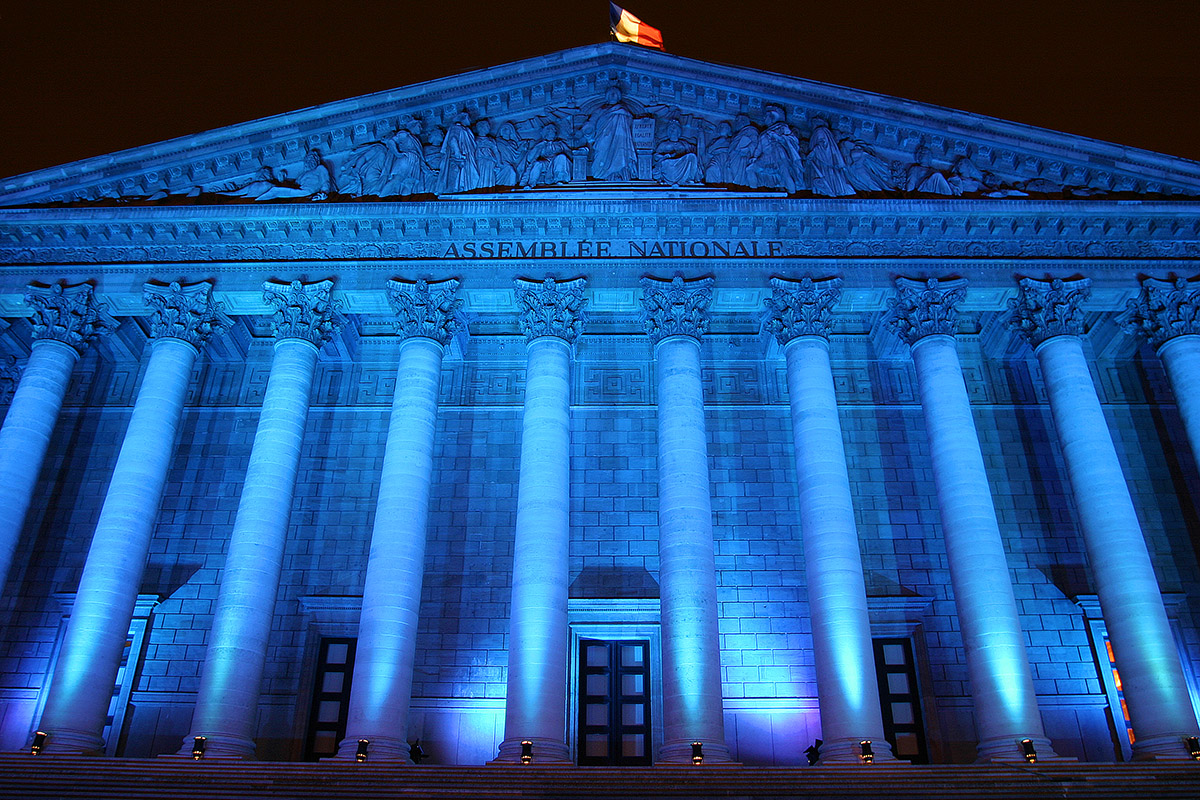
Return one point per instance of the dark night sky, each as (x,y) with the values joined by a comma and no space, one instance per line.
(83,79)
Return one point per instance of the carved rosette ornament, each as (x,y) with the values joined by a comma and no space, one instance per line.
(1045,309)
(303,311)
(551,308)
(427,310)
(802,308)
(675,307)
(926,308)
(185,312)
(1164,310)
(68,314)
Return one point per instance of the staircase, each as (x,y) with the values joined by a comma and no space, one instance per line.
(25,777)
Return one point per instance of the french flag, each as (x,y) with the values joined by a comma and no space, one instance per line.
(628,28)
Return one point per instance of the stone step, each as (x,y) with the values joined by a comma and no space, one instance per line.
(71,778)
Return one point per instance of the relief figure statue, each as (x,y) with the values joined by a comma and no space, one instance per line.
(716,167)
(777,162)
(675,160)
(511,149)
(922,176)
(741,152)
(392,166)
(613,154)
(827,171)
(459,168)
(548,161)
(314,183)
(865,170)
(487,154)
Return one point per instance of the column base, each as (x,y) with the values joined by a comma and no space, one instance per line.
(387,749)
(1165,747)
(75,743)
(1008,749)
(219,745)
(679,751)
(849,751)
(545,751)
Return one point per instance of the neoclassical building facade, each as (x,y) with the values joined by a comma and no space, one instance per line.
(608,407)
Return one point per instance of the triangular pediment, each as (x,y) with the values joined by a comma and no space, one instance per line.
(612,118)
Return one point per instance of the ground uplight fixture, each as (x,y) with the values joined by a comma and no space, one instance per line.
(865,753)
(39,741)
(697,753)
(526,752)
(360,755)
(1028,751)
(198,743)
(1192,744)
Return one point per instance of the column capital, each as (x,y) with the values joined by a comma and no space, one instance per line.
(926,307)
(1045,309)
(675,307)
(303,311)
(68,314)
(185,311)
(551,308)
(426,310)
(1164,310)
(802,308)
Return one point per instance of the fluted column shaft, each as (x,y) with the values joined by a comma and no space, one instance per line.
(227,705)
(537,655)
(692,703)
(1006,709)
(387,632)
(845,663)
(1181,356)
(87,665)
(26,436)
(1151,675)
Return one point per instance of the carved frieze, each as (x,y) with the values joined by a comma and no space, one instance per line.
(303,311)
(675,307)
(802,308)
(424,309)
(926,308)
(68,314)
(551,308)
(10,376)
(186,312)
(1044,309)
(1164,310)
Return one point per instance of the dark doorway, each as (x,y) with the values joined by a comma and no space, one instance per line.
(614,702)
(900,700)
(331,698)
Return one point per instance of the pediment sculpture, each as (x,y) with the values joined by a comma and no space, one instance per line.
(611,139)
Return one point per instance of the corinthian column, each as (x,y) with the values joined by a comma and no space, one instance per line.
(65,320)
(1047,314)
(387,630)
(227,706)
(801,317)
(1167,314)
(536,706)
(183,319)
(926,316)
(675,313)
